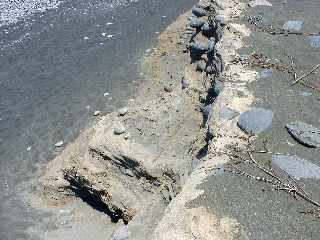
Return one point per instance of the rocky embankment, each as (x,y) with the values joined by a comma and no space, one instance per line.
(161,166)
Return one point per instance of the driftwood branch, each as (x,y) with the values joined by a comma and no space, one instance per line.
(306,75)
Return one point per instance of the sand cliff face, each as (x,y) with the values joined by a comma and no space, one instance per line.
(144,162)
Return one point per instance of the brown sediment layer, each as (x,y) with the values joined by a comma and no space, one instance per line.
(134,164)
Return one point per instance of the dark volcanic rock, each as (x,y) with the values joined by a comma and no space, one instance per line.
(199,12)
(256,120)
(304,133)
(296,167)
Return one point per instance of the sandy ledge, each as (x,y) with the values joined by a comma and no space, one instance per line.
(144,162)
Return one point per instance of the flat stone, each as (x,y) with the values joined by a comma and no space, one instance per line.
(119,129)
(123,111)
(256,3)
(256,120)
(304,133)
(293,25)
(315,41)
(296,167)
(96,113)
(58,144)
(228,113)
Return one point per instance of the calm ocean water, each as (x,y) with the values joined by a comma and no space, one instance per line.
(57,59)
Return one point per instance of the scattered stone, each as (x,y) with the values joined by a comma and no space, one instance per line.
(265,73)
(296,167)
(315,41)
(123,111)
(211,44)
(168,88)
(59,144)
(28,148)
(96,113)
(220,19)
(86,38)
(255,120)
(184,83)
(121,233)
(199,47)
(110,36)
(305,94)
(228,113)
(119,129)
(201,66)
(106,94)
(293,25)
(127,136)
(259,3)
(305,134)
(199,12)
(205,27)
(195,22)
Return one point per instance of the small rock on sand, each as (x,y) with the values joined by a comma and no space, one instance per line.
(96,113)
(127,136)
(304,133)
(293,25)
(255,120)
(259,3)
(296,167)
(168,88)
(198,11)
(315,41)
(58,144)
(123,111)
(119,129)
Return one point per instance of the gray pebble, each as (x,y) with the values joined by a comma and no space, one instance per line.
(201,66)
(58,144)
(123,111)
(198,11)
(96,113)
(119,129)
(293,25)
(304,133)
(296,167)
(199,46)
(195,22)
(205,27)
(168,88)
(255,120)
(315,41)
